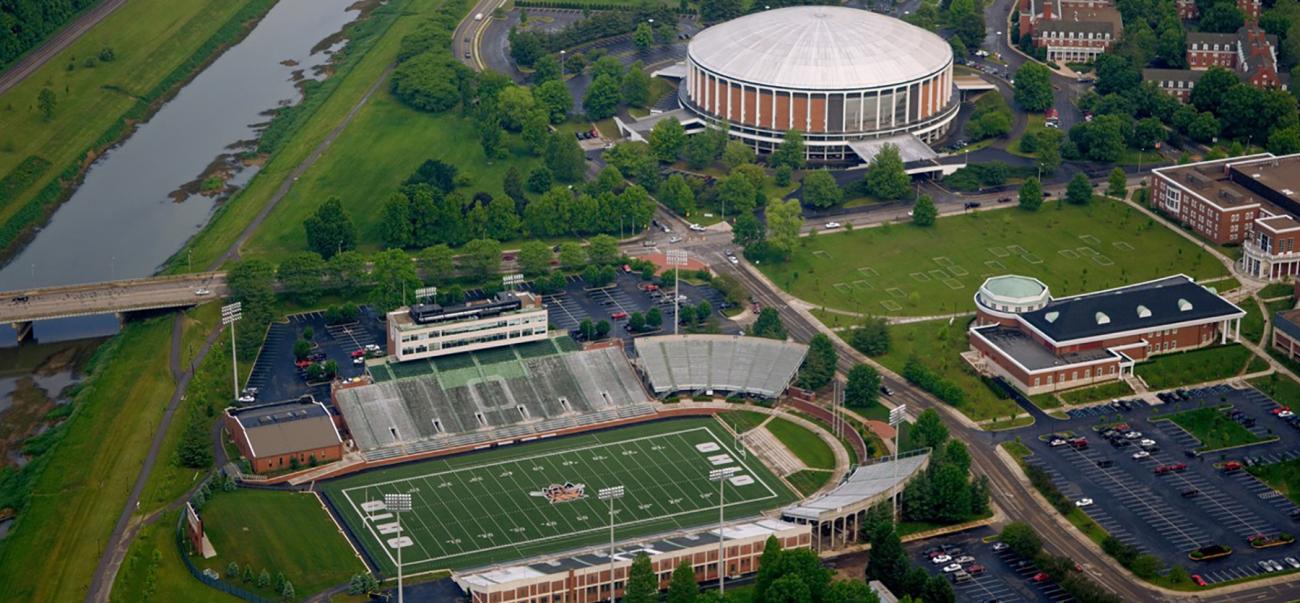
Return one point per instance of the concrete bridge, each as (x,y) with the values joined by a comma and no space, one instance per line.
(22,307)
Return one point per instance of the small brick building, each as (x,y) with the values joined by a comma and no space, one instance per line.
(1286,333)
(271,436)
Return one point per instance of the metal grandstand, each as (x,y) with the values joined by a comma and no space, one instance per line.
(505,400)
(727,363)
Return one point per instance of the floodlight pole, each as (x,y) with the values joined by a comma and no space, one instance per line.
(230,314)
(896,415)
(611,493)
(721,476)
(399,557)
(676,257)
(398,503)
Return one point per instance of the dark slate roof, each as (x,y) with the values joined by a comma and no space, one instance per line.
(1288,322)
(1076,317)
(1172,75)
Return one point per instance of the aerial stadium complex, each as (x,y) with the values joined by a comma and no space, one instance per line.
(839,75)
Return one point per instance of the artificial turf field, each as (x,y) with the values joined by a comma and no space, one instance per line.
(479,508)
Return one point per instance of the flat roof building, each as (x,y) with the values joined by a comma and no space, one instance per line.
(284,435)
(1040,344)
(427,330)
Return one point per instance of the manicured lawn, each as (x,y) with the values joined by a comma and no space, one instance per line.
(54,546)
(1278,387)
(742,420)
(1036,123)
(1017,450)
(805,444)
(1276,290)
(281,532)
(154,553)
(1252,325)
(1197,366)
(1105,391)
(149,39)
(808,481)
(938,345)
(1284,477)
(905,270)
(1223,285)
(1214,429)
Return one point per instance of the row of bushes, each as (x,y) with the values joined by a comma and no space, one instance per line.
(1042,482)
(601,25)
(573,5)
(921,376)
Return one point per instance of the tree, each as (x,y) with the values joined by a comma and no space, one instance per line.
(536,131)
(654,318)
(967,19)
(437,263)
(1222,17)
(513,104)
(938,590)
(1149,132)
(428,81)
(667,139)
(534,258)
(1210,90)
(698,151)
(545,69)
(1118,183)
(232,569)
(539,178)
(603,97)
(1031,194)
(1049,150)
(736,153)
(747,230)
(348,271)
(195,449)
(554,96)
(572,256)
(929,430)
(395,228)
(703,311)
(525,48)
(264,579)
(1284,141)
(821,190)
(736,192)
(788,589)
(603,250)
(819,365)
(301,349)
(886,177)
(924,213)
(644,37)
(636,322)
(565,158)
(790,152)
(871,337)
(863,386)
(1033,87)
(330,229)
(287,592)
(481,258)
(248,574)
(769,325)
(602,329)
(302,275)
(488,122)
(1079,191)
(1021,538)
(395,280)
(784,221)
(513,185)
(677,195)
(721,10)
(888,562)
(683,588)
(636,86)
(47,102)
(642,586)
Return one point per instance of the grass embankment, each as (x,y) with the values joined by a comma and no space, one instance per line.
(805,444)
(154,558)
(156,45)
(1105,391)
(1214,429)
(1278,387)
(1252,325)
(938,345)
(1196,366)
(906,270)
(372,48)
(1283,477)
(741,421)
(57,540)
(808,481)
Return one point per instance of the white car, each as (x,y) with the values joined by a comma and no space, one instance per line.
(951,568)
(830,225)
(1265,565)
(674,239)
(246,399)
(1056,442)
(1141,454)
(359,360)
(1285,414)
(733,259)
(697,228)
(941,559)
(998,546)
(370,347)
(1083,502)
(1145,442)
(202,292)
(981,53)
(1291,561)
(1132,435)
(1277,567)
(964,559)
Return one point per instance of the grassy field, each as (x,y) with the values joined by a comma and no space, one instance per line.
(1278,387)
(1252,325)
(742,420)
(1284,477)
(1273,290)
(281,532)
(155,559)
(808,480)
(906,270)
(938,345)
(149,38)
(237,213)
(805,444)
(486,507)
(1106,391)
(52,550)
(1214,429)
(1196,366)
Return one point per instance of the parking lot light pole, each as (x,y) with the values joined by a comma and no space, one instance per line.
(398,503)
(230,314)
(896,416)
(610,494)
(721,476)
(676,259)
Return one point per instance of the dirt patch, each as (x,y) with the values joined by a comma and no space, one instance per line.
(24,418)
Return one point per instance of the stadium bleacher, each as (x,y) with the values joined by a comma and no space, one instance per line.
(727,363)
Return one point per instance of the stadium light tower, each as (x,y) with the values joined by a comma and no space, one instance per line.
(230,314)
(398,503)
(676,259)
(896,416)
(721,476)
(610,494)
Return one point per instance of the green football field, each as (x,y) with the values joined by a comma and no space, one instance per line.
(488,507)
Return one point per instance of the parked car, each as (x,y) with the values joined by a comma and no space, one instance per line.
(1132,435)
(964,559)
(1141,454)
(975,569)
(1104,463)
(1198,580)
(1056,442)
(998,546)
(697,228)
(1264,565)
(1231,466)
(202,291)
(830,225)
(1191,493)
(1040,577)
(1291,561)
(620,315)
(1083,502)
(941,559)
(954,567)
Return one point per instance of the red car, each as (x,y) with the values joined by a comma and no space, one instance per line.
(1171,468)
(1040,577)
(302,364)
(358,353)
(1198,580)
(618,315)
(1079,442)
(1279,409)
(1232,466)
(974,569)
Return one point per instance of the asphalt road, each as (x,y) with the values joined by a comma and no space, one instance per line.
(42,54)
(116,296)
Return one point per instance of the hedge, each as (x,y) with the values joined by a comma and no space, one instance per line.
(920,375)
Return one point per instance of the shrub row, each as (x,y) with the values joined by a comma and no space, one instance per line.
(920,375)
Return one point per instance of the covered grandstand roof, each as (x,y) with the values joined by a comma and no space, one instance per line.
(749,365)
(487,401)
(862,488)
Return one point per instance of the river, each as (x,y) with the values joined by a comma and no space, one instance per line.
(129,215)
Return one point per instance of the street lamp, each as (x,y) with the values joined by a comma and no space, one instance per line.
(610,494)
(397,503)
(230,314)
(721,476)
(896,416)
(676,259)
(562,53)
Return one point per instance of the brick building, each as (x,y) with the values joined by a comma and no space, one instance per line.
(273,436)
(1072,31)
(1251,200)
(585,578)
(1286,333)
(1040,344)
(1250,53)
(1187,9)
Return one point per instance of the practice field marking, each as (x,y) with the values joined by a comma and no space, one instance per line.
(953,283)
(1000,252)
(996,265)
(1102,260)
(896,292)
(492,519)
(938,275)
(942,261)
(842,287)
(822,254)
(1018,250)
(920,277)
(1122,246)
(1068,253)
(868,271)
(891,305)
(1031,258)
(957,270)
(1089,239)
(1088,251)
(864,285)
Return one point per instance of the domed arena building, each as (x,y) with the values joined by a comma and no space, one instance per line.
(838,75)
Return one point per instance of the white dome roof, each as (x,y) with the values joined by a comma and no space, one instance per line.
(819,48)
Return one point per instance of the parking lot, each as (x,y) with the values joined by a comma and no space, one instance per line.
(1173,500)
(1001,574)
(617,302)
(275,375)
